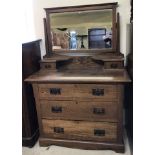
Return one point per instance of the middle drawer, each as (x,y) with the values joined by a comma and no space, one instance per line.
(81,110)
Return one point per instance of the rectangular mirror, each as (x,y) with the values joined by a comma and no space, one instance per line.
(82,28)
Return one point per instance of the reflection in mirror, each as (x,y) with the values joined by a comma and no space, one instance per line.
(81,30)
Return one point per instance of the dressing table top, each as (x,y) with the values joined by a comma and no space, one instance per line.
(83,76)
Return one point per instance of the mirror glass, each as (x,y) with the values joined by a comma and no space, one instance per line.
(81,30)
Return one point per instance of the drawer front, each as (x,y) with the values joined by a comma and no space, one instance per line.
(96,91)
(58,109)
(114,65)
(82,110)
(80,130)
(69,91)
(56,91)
(48,66)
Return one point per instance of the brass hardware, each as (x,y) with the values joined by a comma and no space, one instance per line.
(99,111)
(98,132)
(56,109)
(55,91)
(58,130)
(47,66)
(114,65)
(98,92)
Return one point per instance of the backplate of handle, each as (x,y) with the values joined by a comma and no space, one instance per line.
(99,132)
(99,111)
(55,91)
(114,65)
(56,109)
(47,66)
(98,92)
(58,130)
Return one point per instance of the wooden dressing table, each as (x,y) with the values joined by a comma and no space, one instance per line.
(79,93)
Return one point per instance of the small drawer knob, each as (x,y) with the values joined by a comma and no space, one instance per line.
(99,132)
(58,130)
(98,92)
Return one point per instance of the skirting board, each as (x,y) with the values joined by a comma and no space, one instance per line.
(88,145)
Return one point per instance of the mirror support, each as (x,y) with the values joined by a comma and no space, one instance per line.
(118,34)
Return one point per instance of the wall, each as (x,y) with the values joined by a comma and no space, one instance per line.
(27,22)
(39,14)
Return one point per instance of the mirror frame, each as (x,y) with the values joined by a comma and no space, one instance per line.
(82,8)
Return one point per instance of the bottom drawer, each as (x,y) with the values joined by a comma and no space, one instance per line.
(80,130)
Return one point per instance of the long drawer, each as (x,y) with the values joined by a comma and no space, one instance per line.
(69,91)
(82,110)
(80,130)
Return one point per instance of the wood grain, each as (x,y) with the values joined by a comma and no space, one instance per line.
(87,145)
(78,90)
(80,130)
(79,110)
(79,94)
(81,76)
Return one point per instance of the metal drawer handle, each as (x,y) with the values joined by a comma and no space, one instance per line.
(114,65)
(58,130)
(56,109)
(99,111)
(47,66)
(98,132)
(55,91)
(98,92)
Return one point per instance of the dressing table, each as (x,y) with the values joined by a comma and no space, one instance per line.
(79,89)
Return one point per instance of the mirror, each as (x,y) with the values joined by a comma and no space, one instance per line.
(82,28)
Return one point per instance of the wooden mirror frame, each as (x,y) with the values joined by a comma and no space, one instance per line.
(103,6)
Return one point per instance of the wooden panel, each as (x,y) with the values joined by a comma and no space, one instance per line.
(56,91)
(68,91)
(80,130)
(31,56)
(81,76)
(87,145)
(48,66)
(114,65)
(83,62)
(73,110)
(96,91)
(58,109)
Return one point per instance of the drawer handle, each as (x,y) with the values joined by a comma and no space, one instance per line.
(114,65)
(56,109)
(47,66)
(55,91)
(98,92)
(99,111)
(98,132)
(58,130)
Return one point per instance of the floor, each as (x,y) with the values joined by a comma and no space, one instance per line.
(56,150)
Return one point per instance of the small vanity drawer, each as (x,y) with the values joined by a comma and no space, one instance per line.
(56,91)
(96,91)
(80,130)
(72,110)
(113,65)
